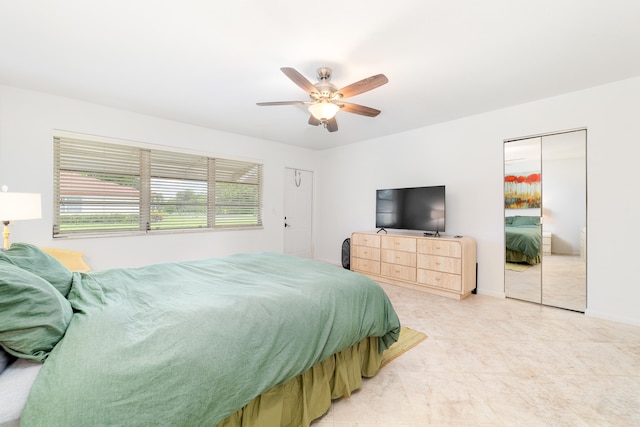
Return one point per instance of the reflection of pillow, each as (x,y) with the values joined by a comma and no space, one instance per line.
(71,259)
(32,259)
(525,220)
(33,314)
(508,220)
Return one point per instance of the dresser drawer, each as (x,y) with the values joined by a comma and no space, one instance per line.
(396,271)
(370,240)
(439,247)
(440,280)
(407,244)
(365,265)
(398,257)
(440,263)
(365,252)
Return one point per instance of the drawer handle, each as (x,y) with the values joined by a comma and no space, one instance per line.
(437,279)
(397,258)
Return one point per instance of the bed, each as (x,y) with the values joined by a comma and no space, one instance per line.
(249,339)
(523,239)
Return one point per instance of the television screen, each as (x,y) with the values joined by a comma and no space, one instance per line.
(418,208)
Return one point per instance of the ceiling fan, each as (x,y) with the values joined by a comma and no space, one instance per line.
(326,99)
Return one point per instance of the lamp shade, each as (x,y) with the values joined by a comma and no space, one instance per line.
(17,206)
(323,110)
(437,213)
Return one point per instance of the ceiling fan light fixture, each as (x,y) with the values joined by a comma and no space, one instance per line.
(323,110)
(326,99)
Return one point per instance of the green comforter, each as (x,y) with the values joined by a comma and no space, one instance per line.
(187,344)
(524,238)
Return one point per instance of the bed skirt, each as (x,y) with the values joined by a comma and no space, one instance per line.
(515,256)
(308,396)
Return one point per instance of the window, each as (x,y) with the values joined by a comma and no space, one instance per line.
(103,188)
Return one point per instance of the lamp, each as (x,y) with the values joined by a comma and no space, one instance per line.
(323,110)
(18,206)
(438,214)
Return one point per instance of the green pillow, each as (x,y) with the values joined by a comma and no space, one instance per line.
(33,259)
(519,221)
(33,314)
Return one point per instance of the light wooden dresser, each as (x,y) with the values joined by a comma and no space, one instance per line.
(441,265)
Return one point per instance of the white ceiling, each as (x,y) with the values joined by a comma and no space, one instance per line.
(209,62)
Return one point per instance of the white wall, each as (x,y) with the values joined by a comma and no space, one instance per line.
(466,155)
(27,120)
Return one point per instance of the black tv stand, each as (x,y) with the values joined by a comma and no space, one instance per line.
(436,234)
(381,229)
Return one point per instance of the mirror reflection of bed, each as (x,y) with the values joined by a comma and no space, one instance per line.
(545,219)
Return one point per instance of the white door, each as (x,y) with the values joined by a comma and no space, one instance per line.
(298,208)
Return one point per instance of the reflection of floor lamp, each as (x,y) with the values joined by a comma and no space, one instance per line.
(18,206)
(438,214)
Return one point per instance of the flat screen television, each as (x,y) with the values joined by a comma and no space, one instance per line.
(417,208)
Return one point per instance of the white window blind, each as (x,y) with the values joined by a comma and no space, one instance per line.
(237,187)
(102,188)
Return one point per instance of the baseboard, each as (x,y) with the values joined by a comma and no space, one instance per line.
(492,294)
(607,316)
(326,261)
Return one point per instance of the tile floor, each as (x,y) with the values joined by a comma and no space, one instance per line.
(500,362)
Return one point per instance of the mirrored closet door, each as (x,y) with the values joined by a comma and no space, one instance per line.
(545,219)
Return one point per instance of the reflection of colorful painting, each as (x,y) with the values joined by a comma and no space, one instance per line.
(522,191)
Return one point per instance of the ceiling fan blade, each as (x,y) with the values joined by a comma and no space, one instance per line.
(359,109)
(299,79)
(313,121)
(332,124)
(363,85)
(262,104)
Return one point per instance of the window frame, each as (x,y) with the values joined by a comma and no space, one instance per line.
(116,184)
